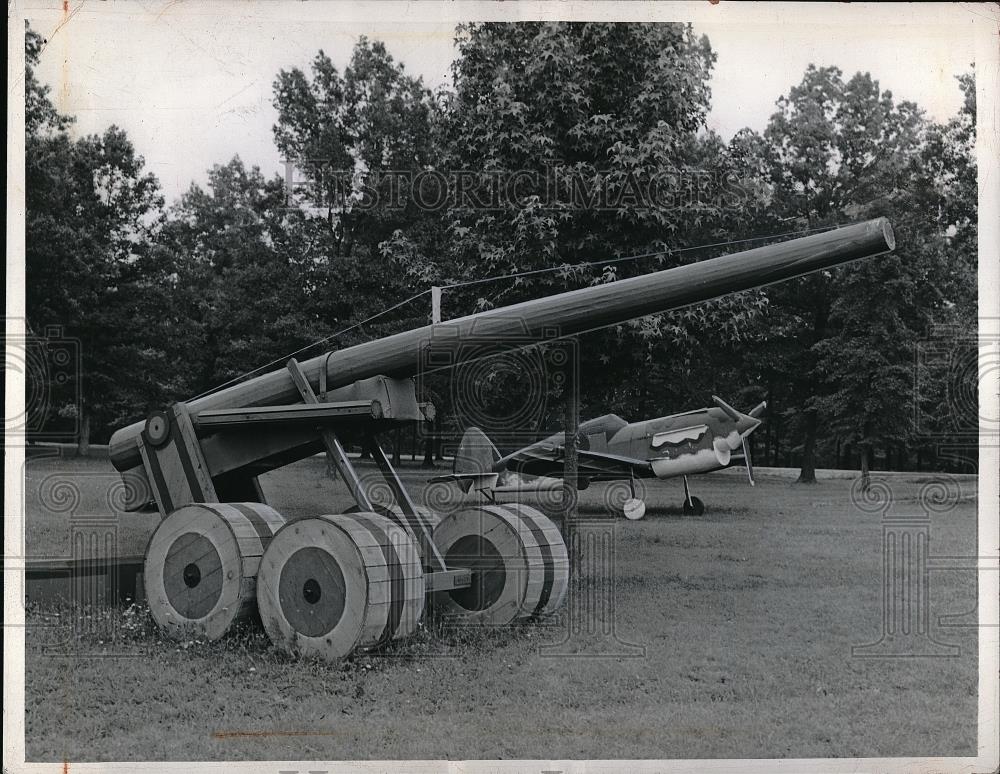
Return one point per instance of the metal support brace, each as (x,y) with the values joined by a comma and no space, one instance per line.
(323,375)
(336,453)
(432,556)
(334,450)
(571,457)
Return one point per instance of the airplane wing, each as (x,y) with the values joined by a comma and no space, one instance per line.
(549,460)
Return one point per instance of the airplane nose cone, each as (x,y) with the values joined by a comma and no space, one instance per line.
(746,424)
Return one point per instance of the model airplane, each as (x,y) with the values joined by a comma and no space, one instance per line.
(611,449)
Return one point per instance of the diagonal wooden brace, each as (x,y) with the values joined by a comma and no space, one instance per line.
(421,529)
(336,453)
(334,450)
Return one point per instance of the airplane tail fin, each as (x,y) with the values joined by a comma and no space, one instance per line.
(476,453)
(474,463)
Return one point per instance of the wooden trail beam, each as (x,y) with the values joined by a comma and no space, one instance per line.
(570,313)
(99,582)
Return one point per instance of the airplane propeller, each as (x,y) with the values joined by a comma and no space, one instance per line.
(733,413)
(755,412)
(736,416)
(748,461)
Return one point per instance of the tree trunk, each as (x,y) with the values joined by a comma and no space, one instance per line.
(348,229)
(807,475)
(336,232)
(428,446)
(438,440)
(865,467)
(767,441)
(83,438)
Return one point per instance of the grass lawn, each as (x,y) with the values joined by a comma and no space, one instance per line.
(745,617)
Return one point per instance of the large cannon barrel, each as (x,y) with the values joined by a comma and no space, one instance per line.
(570,313)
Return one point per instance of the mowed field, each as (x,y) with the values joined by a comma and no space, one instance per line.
(733,637)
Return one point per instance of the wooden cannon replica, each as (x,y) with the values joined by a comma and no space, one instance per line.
(333,583)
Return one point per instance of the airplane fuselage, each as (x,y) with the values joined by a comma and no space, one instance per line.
(682,444)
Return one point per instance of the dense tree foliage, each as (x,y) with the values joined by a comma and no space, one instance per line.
(93,214)
(565,144)
(352,143)
(558,150)
(839,150)
(352,138)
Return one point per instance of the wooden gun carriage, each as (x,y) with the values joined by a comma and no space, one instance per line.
(332,583)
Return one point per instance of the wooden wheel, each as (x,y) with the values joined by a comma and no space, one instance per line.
(555,558)
(332,584)
(507,563)
(395,514)
(201,566)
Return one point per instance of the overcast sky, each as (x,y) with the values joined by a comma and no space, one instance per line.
(191,82)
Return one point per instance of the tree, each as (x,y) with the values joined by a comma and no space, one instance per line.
(581,120)
(948,383)
(361,140)
(253,272)
(91,212)
(40,116)
(358,138)
(570,143)
(948,162)
(838,151)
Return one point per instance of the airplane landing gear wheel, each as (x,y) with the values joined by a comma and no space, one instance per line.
(634,509)
(694,508)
